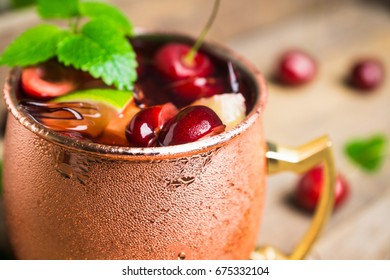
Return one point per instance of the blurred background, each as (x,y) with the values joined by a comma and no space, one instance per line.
(336,33)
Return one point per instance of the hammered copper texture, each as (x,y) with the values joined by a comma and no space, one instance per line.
(62,204)
(67,199)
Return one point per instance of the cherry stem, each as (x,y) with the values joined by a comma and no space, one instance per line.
(189,58)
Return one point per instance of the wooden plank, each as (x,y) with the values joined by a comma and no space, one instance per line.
(371,223)
(187,16)
(294,116)
(234,17)
(335,35)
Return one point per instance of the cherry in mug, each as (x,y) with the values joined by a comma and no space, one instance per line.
(164,109)
(77,199)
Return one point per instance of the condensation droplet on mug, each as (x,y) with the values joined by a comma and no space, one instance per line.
(181,256)
(65,170)
(61,163)
(71,166)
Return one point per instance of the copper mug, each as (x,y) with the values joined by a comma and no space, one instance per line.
(68,199)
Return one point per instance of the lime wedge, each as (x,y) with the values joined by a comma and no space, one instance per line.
(111,97)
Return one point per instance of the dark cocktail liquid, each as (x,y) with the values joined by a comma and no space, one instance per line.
(89,121)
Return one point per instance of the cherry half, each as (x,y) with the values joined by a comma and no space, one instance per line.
(144,127)
(191,124)
(47,80)
(295,67)
(310,186)
(367,74)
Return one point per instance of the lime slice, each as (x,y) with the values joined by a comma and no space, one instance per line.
(111,97)
(230,107)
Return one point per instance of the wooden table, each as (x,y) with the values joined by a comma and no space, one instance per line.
(336,33)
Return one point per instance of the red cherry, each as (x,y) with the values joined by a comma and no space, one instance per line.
(48,80)
(189,90)
(367,74)
(190,124)
(296,67)
(170,61)
(310,186)
(143,129)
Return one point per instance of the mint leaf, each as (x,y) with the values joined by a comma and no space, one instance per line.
(104,33)
(118,70)
(35,45)
(109,13)
(58,8)
(79,51)
(101,51)
(368,153)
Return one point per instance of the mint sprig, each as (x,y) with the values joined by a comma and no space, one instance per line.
(367,153)
(49,9)
(107,13)
(102,52)
(35,45)
(99,46)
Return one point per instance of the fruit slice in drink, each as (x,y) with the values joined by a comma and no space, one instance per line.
(230,107)
(114,132)
(84,112)
(144,128)
(87,119)
(48,80)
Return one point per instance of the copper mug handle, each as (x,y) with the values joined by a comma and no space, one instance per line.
(300,160)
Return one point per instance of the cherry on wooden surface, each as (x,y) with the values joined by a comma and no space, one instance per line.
(309,188)
(295,67)
(367,74)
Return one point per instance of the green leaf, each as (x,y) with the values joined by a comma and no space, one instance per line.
(118,70)
(101,51)
(104,33)
(58,8)
(79,51)
(109,13)
(368,153)
(35,45)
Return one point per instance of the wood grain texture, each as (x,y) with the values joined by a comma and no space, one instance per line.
(336,38)
(186,16)
(336,33)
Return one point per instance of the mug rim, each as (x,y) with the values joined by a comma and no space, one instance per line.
(139,153)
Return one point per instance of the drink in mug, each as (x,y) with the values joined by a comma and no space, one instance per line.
(77,198)
(173,170)
(92,112)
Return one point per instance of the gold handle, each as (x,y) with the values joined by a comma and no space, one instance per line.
(300,160)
